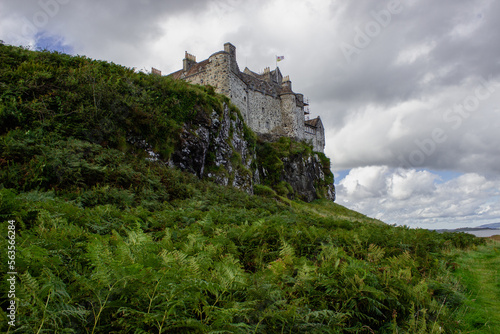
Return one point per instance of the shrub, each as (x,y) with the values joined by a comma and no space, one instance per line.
(261,190)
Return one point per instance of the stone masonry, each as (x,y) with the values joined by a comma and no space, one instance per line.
(266,101)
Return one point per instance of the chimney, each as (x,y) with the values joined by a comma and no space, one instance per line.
(267,74)
(188,62)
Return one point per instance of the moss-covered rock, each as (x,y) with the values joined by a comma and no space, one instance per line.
(292,169)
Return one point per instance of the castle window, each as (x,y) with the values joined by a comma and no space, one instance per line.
(310,130)
(262,109)
(244,99)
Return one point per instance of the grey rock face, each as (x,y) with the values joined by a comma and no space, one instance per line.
(305,175)
(215,148)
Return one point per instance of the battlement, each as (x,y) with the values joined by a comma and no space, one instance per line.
(188,62)
(190,57)
(155,71)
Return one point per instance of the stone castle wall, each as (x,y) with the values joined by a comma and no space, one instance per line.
(315,136)
(268,108)
(264,113)
(215,73)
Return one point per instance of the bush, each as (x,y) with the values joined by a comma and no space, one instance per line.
(261,190)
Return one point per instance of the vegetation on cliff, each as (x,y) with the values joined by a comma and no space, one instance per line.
(111,240)
(97,101)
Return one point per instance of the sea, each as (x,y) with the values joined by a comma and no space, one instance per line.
(488,232)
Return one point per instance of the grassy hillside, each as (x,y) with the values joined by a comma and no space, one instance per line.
(110,241)
(479,272)
(96,101)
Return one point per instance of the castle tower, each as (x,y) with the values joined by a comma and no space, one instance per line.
(188,62)
(231,49)
(286,84)
(267,74)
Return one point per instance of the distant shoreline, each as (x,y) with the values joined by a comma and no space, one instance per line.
(486,233)
(478,232)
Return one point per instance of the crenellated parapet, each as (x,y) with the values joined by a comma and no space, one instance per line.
(188,62)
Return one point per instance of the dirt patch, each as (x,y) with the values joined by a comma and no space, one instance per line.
(495,237)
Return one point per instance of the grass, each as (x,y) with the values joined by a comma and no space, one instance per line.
(325,208)
(479,272)
(109,241)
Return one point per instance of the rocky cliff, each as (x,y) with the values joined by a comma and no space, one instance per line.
(220,147)
(308,177)
(64,98)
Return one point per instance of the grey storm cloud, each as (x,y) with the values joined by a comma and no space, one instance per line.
(432,52)
(465,40)
(100,29)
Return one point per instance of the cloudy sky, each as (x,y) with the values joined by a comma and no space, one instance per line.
(409,91)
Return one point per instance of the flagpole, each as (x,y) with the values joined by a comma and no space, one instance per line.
(280,58)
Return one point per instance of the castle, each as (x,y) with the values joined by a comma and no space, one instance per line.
(266,101)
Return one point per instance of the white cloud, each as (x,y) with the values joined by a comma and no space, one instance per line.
(410,183)
(366,182)
(411,54)
(418,198)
